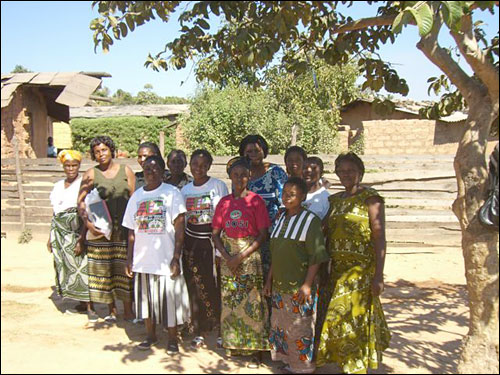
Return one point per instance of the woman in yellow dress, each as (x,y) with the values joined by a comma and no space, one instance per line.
(354,331)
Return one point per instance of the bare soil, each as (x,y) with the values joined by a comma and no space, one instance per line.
(425,304)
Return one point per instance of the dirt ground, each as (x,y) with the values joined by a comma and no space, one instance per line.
(424,302)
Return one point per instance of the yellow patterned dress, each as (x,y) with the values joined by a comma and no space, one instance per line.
(354,332)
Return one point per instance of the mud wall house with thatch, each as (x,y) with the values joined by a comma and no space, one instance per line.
(166,112)
(30,104)
(402,131)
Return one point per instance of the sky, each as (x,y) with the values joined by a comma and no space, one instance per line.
(50,36)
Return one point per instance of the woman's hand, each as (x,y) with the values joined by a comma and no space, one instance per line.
(304,294)
(377,285)
(93,229)
(268,288)
(128,269)
(79,247)
(175,268)
(234,262)
(49,246)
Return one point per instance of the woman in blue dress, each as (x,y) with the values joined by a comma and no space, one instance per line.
(267,180)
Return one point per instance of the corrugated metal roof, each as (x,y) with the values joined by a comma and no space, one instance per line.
(410,106)
(151,110)
(77,86)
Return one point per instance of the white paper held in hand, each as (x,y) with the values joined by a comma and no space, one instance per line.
(98,212)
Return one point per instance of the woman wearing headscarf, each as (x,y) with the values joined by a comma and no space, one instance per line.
(70,262)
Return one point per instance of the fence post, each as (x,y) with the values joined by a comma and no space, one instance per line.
(19,178)
(162,143)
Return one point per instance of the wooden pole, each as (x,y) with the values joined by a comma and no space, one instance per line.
(19,178)
(162,143)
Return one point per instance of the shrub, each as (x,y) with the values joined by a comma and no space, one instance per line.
(126,132)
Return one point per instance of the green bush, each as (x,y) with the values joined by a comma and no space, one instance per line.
(126,132)
(220,119)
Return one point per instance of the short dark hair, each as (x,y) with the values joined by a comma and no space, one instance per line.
(203,153)
(317,161)
(299,183)
(180,152)
(104,139)
(251,139)
(156,158)
(152,146)
(353,158)
(299,150)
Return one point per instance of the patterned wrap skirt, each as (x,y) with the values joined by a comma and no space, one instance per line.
(354,332)
(244,315)
(201,275)
(292,331)
(107,261)
(72,280)
(161,299)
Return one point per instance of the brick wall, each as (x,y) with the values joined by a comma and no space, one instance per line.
(417,137)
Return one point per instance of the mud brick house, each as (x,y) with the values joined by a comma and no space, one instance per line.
(31,102)
(402,131)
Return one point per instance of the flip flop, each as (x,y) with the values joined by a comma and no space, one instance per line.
(110,319)
(147,344)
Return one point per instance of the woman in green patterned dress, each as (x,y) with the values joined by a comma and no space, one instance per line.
(354,332)
(70,264)
(240,225)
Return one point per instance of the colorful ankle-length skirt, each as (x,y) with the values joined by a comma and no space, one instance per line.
(292,331)
(107,279)
(244,316)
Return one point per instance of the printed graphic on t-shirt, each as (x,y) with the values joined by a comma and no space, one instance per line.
(150,216)
(199,209)
(235,221)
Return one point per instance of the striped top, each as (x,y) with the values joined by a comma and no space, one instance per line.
(297,242)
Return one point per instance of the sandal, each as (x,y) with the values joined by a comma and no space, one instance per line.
(147,344)
(198,342)
(254,362)
(110,319)
(172,347)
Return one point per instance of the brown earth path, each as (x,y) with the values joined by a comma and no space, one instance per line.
(424,302)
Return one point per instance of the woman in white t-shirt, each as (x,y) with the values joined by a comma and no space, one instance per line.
(201,197)
(155,219)
(317,196)
(70,263)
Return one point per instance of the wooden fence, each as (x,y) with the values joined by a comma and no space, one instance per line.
(419,190)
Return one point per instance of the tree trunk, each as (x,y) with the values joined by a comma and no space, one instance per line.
(480,245)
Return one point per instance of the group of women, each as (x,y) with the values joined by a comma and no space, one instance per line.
(275,264)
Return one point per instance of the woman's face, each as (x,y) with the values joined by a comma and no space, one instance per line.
(292,197)
(349,174)
(71,169)
(312,173)
(239,177)
(102,154)
(254,153)
(176,164)
(199,167)
(153,173)
(294,164)
(143,154)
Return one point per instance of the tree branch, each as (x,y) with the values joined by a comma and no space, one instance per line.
(363,23)
(441,58)
(468,46)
